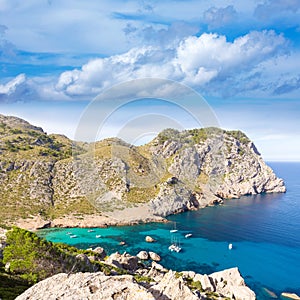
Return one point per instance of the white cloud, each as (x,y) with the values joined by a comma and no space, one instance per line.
(195,61)
(11,86)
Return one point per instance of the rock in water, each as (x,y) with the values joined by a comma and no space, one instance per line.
(290,296)
(154,256)
(149,239)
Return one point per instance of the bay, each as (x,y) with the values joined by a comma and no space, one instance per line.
(263,229)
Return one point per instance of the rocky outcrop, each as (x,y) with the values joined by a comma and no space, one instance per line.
(124,261)
(154,283)
(230,284)
(143,255)
(173,288)
(209,165)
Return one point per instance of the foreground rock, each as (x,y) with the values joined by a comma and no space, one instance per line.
(87,286)
(143,255)
(231,284)
(141,282)
(154,256)
(124,261)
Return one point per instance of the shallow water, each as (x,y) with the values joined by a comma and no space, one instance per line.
(264,231)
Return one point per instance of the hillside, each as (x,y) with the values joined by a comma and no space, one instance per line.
(53,177)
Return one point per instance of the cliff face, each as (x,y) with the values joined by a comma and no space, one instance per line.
(53,176)
(208,166)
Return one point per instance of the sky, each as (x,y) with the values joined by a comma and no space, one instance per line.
(241,57)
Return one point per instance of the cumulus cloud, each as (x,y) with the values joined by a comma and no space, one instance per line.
(17,89)
(217,17)
(195,61)
(12,85)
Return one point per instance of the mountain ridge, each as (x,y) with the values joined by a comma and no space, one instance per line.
(52,177)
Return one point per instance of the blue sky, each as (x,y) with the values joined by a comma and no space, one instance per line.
(243,57)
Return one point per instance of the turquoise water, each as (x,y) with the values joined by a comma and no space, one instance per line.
(264,231)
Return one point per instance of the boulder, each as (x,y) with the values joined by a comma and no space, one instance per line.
(124,261)
(149,239)
(143,255)
(100,252)
(154,256)
(173,288)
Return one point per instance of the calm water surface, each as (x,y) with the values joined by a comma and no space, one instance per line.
(264,231)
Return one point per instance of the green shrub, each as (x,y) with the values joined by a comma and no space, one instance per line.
(34,259)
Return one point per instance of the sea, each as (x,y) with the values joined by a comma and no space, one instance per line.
(264,231)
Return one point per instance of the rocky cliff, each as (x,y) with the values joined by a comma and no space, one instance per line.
(51,176)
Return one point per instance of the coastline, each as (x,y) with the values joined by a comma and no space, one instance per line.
(125,217)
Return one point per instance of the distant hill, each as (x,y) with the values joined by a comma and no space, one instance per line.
(52,176)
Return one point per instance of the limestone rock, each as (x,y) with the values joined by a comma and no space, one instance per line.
(173,288)
(100,252)
(87,286)
(207,283)
(290,296)
(154,256)
(143,255)
(231,284)
(158,267)
(149,239)
(125,261)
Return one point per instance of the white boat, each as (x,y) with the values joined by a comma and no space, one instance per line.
(73,236)
(174,229)
(188,235)
(68,233)
(230,246)
(98,236)
(91,230)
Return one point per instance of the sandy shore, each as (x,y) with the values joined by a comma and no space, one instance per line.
(128,216)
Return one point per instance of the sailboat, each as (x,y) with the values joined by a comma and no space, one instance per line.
(174,246)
